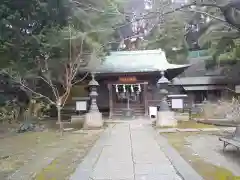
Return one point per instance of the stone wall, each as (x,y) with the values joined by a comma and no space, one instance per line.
(228,110)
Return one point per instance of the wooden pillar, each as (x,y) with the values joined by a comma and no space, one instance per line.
(145,85)
(110,100)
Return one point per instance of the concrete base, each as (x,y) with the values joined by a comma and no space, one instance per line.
(166,119)
(93,120)
(77,119)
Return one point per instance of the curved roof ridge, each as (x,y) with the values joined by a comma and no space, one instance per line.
(137,61)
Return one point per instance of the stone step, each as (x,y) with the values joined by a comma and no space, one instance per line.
(131,105)
(139,107)
(122,115)
(134,110)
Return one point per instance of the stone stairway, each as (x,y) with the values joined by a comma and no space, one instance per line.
(120,110)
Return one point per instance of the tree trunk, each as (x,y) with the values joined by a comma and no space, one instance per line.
(29,114)
(60,120)
(21,114)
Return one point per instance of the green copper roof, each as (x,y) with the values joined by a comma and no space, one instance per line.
(136,61)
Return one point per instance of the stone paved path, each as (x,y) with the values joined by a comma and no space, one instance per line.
(126,152)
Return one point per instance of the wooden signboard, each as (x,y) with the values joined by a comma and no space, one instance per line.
(130,79)
(237,89)
(177,103)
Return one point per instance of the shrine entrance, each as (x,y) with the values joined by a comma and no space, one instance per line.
(127,80)
(128,94)
(127,98)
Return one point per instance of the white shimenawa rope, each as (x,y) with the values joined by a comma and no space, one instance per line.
(132,88)
(139,87)
(124,88)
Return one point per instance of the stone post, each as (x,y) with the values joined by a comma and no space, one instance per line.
(165,117)
(93,117)
(110,100)
(145,98)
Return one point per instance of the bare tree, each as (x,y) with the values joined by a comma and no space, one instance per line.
(56,75)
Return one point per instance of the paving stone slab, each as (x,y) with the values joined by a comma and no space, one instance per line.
(158,177)
(167,130)
(118,171)
(187,130)
(80,132)
(228,129)
(138,160)
(209,129)
(160,168)
(111,179)
(84,169)
(68,129)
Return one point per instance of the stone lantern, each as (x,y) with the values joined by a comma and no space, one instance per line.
(162,85)
(93,117)
(93,85)
(165,117)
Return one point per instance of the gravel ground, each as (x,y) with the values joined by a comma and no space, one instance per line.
(43,155)
(210,149)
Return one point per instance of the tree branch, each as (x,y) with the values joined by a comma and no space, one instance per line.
(54,90)
(24,86)
(65,96)
(88,7)
(84,77)
(29,89)
(156,13)
(205,13)
(36,93)
(49,81)
(66,76)
(78,61)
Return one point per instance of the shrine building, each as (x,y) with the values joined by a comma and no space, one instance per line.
(127,79)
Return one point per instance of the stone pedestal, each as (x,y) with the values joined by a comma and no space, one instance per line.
(166,119)
(93,120)
(76,119)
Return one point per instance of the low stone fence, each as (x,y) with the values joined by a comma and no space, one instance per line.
(221,110)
